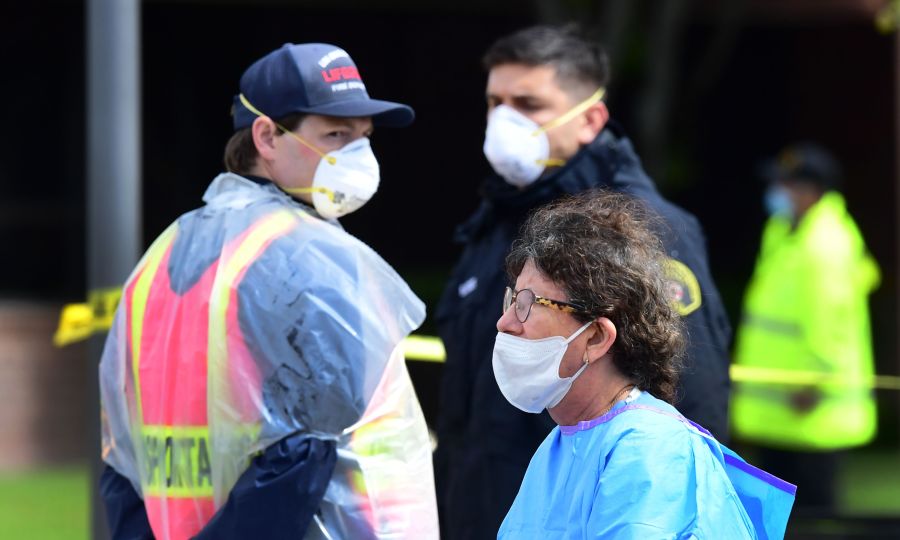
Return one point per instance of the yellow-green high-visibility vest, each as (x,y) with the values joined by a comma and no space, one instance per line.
(173,372)
(806,309)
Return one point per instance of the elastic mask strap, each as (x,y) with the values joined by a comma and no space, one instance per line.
(330,159)
(332,196)
(551,162)
(575,111)
(578,109)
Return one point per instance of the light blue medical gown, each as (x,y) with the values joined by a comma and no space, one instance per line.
(636,474)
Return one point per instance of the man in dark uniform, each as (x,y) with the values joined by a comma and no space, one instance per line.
(548,135)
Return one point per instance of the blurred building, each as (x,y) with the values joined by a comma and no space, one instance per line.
(43,418)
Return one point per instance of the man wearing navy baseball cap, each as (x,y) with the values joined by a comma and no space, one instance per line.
(253,384)
(314,94)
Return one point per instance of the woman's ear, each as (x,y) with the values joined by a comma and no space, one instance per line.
(602,341)
(264,132)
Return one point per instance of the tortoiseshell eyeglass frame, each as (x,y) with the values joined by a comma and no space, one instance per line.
(512,296)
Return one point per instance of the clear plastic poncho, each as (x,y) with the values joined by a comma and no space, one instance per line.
(315,350)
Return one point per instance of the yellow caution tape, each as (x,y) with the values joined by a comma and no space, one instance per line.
(431,349)
(424,348)
(78,322)
(103,304)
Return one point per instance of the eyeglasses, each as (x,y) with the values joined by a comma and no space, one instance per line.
(525,298)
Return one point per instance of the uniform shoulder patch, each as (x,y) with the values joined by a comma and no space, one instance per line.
(682,286)
(467,287)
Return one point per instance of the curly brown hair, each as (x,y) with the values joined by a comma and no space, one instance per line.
(599,247)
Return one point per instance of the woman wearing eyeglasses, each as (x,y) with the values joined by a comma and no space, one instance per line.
(588,333)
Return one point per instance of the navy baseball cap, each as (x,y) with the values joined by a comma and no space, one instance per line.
(311,78)
(804,162)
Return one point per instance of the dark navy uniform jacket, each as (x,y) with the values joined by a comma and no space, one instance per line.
(484,443)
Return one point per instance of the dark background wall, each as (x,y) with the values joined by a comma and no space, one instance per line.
(773,80)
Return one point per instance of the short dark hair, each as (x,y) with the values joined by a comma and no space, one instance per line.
(600,249)
(576,59)
(240,152)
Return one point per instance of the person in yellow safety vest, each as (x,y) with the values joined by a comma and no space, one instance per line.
(253,384)
(806,309)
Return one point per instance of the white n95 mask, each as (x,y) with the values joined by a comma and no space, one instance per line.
(527,370)
(518,148)
(345,179)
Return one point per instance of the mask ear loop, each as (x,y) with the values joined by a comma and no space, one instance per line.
(575,111)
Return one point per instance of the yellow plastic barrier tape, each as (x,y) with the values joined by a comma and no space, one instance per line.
(78,322)
(424,348)
(431,349)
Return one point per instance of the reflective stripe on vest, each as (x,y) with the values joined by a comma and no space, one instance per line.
(170,380)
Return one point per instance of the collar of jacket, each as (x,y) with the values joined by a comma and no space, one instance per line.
(594,166)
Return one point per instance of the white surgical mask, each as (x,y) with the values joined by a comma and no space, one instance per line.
(345,179)
(527,370)
(518,148)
